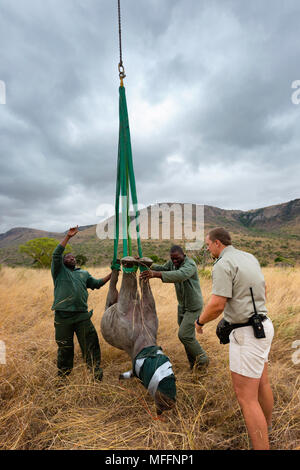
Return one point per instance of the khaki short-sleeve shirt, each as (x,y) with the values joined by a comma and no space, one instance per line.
(234,272)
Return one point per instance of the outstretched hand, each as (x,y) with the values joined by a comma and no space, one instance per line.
(146,275)
(72,231)
(107,278)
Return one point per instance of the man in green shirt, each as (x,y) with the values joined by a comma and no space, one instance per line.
(182,271)
(71,310)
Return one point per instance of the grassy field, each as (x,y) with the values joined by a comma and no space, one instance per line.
(37,411)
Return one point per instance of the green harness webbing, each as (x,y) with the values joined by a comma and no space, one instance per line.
(125,180)
(125,175)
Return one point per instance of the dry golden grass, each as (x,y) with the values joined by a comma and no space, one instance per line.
(37,411)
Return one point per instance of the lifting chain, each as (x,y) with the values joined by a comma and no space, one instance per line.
(120,66)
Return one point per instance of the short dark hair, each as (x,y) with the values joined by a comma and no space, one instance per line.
(67,255)
(220,234)
(176,249)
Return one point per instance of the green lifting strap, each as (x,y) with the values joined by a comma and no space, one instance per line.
(125,186)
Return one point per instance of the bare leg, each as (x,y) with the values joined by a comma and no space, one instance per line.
(265,396)
(246,390)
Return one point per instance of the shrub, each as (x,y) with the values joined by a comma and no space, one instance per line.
(205,273)
(263,263)
(156,259)
(41,249)
(284,261)
(81,259)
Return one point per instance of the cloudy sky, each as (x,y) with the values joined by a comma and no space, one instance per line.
(209,88)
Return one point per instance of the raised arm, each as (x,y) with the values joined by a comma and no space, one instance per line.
(72,231)
(57,261)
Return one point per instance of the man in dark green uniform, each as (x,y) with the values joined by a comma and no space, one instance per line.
(71,311)
(182,271)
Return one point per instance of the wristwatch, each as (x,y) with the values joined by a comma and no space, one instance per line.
(198,323)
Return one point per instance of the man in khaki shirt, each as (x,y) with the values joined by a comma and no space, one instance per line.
(234,272)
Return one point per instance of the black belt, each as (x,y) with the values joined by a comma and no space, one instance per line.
(249,323)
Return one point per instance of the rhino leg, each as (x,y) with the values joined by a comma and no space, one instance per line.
(120,324)
(128,293)
(147,303)
(148,319)
(112,296)
(146,262)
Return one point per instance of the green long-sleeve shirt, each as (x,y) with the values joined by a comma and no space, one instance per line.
(186,280)
(70,286)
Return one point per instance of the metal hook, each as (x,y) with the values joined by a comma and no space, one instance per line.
(121,71)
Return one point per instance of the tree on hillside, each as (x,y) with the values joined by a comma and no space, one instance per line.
(81,259)
(201,257)
(285,262)
(156,259)
(41,249)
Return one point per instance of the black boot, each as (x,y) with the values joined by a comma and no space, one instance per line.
(191,359)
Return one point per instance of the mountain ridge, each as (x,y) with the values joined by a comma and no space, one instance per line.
(279,216)
(270,233)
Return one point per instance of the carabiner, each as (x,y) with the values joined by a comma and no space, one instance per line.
(121,71)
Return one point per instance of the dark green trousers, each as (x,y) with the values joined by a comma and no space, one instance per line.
(186,333)
(88,342)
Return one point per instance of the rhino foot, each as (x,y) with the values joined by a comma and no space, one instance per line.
(129,261)
(145,262)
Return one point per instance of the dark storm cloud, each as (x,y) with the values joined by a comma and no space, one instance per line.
(209,96)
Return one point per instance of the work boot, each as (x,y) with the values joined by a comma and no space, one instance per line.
(201,363)
(63,373)
(98,374)
(191,359)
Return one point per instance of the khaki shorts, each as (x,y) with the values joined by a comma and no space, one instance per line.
(247,354)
